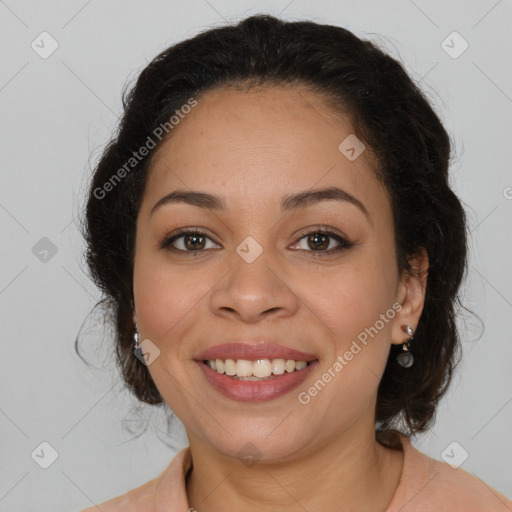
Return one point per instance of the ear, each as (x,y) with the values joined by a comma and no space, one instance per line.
(411,296)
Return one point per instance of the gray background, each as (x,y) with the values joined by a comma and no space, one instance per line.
(57,112)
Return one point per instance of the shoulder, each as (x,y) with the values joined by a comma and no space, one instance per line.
(429,484)
(461,487)
(162,492)
(140,499)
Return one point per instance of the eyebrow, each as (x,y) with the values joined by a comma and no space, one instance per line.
(288,203)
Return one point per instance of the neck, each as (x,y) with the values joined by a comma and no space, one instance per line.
(349,472)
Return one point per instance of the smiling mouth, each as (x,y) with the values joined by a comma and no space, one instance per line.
(260,369)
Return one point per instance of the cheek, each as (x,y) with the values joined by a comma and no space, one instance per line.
(165,302)
(352,300)
(165,297)
(359,315)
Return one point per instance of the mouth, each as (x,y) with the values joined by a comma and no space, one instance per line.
(255,381)
(254,370)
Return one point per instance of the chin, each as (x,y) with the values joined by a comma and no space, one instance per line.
(256,445)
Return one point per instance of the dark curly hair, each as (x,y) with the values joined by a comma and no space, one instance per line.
(389,113)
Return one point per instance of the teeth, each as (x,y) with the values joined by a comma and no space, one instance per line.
(255,370)
(244,368)
(230,367)
(289,366)
(261,368)
(299,365)
(278,366)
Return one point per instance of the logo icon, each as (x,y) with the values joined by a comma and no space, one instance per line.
(44,250)
(44,45)
(44,455)
(454,454)
(351,147)
(249,454)
(454,45)
(249,249)
(147,353)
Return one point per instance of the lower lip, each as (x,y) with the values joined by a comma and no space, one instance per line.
(256,390)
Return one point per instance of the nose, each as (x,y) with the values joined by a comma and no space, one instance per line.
(253,290)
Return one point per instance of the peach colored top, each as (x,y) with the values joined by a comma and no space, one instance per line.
(426,485)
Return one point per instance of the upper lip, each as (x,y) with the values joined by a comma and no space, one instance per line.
(252,351)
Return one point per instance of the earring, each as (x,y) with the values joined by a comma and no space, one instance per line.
(136,339)
(405,358)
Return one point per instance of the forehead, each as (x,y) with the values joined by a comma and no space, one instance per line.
(260,144)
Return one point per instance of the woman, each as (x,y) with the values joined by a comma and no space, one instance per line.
(275,234)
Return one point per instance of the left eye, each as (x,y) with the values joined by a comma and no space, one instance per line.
(319,240)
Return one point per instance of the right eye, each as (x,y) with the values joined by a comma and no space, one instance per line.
(193,241)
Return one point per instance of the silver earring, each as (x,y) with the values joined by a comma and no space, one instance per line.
(136,339)
(405,358)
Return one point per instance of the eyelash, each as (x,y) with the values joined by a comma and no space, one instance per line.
(344,243)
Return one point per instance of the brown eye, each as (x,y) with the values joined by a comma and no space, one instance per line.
(194,242)
(319,241)
(190,240)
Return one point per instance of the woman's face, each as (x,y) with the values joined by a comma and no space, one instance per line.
(259,275)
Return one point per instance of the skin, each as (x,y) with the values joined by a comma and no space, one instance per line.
(252,147)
